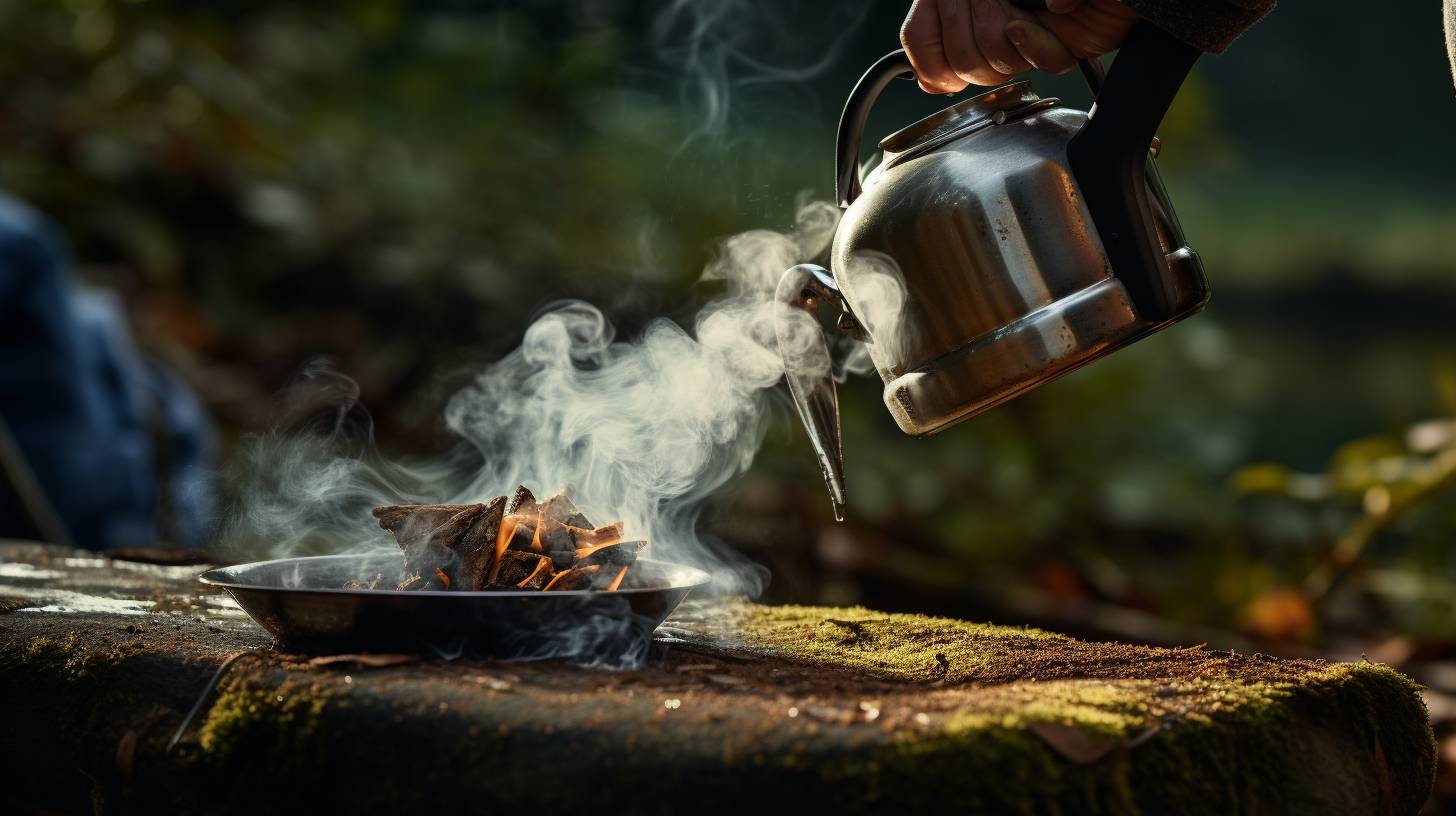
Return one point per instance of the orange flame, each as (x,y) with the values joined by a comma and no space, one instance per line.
(540,565)
(593,540)
(583,552)
(502,538)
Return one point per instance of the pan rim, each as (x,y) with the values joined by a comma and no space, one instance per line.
(213,578)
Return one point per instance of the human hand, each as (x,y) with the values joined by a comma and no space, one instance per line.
(955,43)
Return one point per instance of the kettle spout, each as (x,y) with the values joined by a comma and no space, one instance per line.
(805,287)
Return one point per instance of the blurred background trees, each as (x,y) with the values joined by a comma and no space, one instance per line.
(401,186)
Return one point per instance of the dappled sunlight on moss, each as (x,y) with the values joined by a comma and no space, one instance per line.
(1170,730)
(249,716)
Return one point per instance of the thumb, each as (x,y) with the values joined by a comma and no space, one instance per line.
(1063,6)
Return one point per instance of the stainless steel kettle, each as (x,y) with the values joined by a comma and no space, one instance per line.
(998,244)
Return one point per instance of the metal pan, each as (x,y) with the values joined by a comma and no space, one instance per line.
(300,600)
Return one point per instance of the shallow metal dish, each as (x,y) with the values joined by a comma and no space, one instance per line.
(302,602)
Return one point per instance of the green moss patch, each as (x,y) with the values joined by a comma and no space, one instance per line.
(263,719)
(922,648)
(64,658)
(1043,723)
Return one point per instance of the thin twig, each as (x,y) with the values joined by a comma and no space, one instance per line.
(1436,475)
(207,692)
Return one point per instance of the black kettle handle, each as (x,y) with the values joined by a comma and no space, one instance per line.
(1109,158)
(856,112)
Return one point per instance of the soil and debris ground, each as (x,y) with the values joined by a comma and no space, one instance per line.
(843,710)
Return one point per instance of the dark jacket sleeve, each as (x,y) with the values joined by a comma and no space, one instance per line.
(1211,25)
(1451,34)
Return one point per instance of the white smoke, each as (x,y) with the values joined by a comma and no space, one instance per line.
(642,429)
(720,47)
(880,295)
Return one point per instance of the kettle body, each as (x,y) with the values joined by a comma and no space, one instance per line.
(974,214)
(999,244)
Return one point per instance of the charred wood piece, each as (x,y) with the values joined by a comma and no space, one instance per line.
(523,503)
(522,570)
(617,554)
(503,544)
(558,510)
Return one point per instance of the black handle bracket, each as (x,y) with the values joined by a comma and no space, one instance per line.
(1109,157)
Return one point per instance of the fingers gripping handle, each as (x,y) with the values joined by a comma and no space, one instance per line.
(893,65)
(1091,68)
(804,287)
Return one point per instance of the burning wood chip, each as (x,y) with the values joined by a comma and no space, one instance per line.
(560,511)
(521,534)
(557,543)
(522,570)
(565,543)
(600,577)
(359,583)
(430,536)
(523,503)
(520,544)
(614,554)
(407,519)
(594,539)
(539,576)
(477,547)
(577,578)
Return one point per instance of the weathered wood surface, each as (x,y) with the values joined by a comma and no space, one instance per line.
(740,706)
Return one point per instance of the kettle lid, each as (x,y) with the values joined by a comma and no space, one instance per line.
(992,107)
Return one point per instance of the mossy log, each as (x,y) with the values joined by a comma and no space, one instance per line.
(740,706)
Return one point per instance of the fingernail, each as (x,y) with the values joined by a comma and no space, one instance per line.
(1001,67)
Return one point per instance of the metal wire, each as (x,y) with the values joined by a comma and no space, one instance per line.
(207,692)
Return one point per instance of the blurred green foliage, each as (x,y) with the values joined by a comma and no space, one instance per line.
(266,178)
(1381,516)
(403,185)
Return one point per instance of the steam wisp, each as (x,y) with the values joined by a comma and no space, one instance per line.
(644,429)
(717,48)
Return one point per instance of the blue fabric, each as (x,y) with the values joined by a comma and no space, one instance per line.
(90,415)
